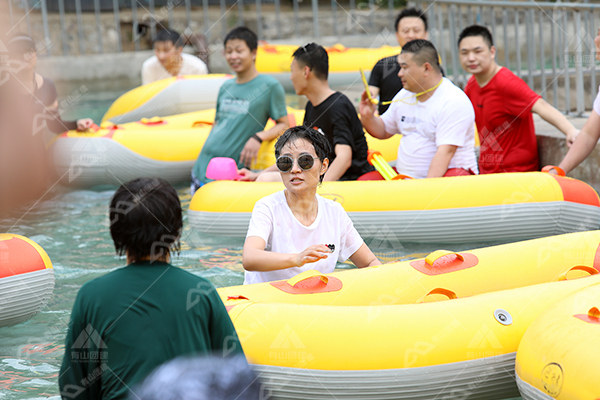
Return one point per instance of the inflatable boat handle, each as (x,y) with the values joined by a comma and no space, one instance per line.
(448,293)
(436,255)
(307,275)
(589,270)
(559,171)
(197,124)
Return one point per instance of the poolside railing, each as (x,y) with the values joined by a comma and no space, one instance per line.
(549,44)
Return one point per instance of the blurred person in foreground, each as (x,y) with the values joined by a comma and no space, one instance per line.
(201,378)
(38,94)
(128,322)
(28,106)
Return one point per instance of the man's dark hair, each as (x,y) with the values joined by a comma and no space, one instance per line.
(477,30)
(242,33)
(423,51)
(145,219)
(201,378)
(314,57)
(169,35)
(311,135)
(411,12)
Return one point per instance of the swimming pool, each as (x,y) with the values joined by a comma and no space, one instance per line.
(72,226)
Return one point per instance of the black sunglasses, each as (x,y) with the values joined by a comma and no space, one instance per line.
(286,163)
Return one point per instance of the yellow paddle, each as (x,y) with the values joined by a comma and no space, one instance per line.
(376,159)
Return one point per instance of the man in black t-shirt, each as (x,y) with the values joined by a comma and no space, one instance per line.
(411,24)
(328,111)
(331,112)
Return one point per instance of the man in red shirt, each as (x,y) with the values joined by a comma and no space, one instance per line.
(503,104)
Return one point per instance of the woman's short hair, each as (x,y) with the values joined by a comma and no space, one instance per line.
(315,137)
(145,219)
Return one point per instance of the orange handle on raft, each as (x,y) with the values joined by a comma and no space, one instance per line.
(445,292)
(559,171)
(584,268)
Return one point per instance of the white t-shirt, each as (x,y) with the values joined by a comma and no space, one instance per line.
(596,106)
(273,221)
(152,69)
(446,118)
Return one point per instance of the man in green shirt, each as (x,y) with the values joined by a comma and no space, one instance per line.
(129,321)
(244,106)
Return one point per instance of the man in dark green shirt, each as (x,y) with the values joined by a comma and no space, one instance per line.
(130,321)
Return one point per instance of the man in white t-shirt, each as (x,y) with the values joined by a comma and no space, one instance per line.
(169,60)
(436,118)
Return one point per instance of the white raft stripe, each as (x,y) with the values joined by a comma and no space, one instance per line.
(24,295)
(87,162)
(182,96)
(456,225)
(487,378)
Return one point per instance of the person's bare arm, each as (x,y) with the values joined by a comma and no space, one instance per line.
(556,118)
(256,258)
(374,125)
(250,150)
(441,160)
(339,166)
(584,144)
(364,257)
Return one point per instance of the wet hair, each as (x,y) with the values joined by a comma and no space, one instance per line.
(311,135)
(242,33)
(314,57)
(201,378)
(168,35)
(145,219)
(411,12)
(477,30)
(423,51)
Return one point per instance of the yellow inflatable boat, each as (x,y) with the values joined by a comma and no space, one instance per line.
(383,333)
(462,209)
(171,96)
(559,355)
(162,147)
(344,62)
(183,94)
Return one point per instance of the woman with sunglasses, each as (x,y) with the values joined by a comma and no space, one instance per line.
(296,230)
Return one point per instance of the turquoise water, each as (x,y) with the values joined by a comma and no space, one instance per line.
(72,226)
